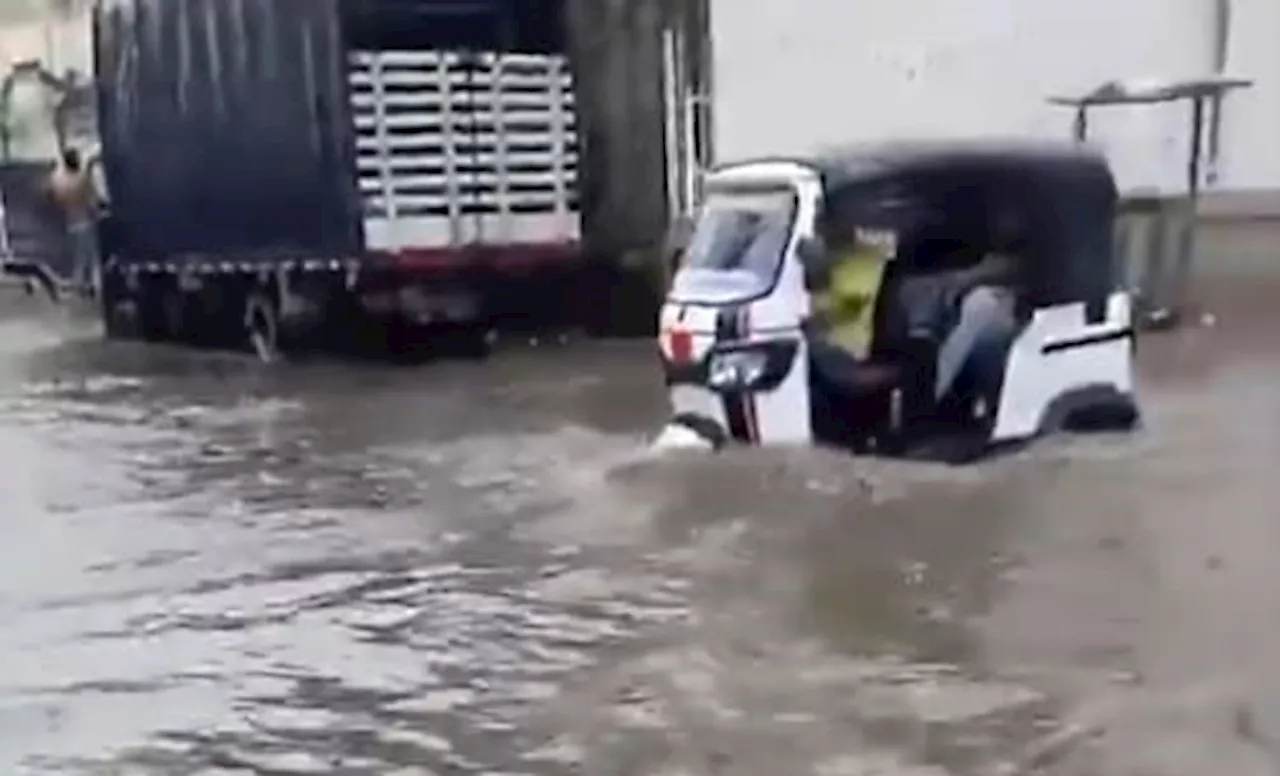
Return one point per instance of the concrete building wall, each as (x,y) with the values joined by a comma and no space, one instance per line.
(60,41)
(788,76)
(1251,121)
(805,73)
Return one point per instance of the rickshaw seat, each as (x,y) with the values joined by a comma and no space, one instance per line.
(874,402)
(901,367)
(868,378)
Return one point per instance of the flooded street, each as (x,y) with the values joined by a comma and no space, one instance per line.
(213,567)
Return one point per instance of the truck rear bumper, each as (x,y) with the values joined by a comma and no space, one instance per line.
(483,261)
(513,283)
(523,284)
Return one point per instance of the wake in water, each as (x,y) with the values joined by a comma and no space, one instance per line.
(797,611)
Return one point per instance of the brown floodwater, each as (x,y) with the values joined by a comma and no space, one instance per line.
(210,566)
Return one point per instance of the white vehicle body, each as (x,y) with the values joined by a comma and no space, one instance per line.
(724,339)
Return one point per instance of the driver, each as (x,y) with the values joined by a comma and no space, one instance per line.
(848,303)
(845,294)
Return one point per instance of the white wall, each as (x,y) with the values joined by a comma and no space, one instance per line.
(60,42)
(792,76)
(1251,121)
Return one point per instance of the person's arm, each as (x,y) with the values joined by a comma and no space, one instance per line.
(92,199)
(994,268)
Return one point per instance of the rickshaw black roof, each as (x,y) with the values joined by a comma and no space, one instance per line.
(1139,93)
(1074,197)
(1071,164)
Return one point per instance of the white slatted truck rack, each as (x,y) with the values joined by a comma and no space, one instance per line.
(462,155)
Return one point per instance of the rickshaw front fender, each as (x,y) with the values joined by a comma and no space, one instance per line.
(677,436)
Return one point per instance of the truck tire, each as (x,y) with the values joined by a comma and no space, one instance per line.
(118,322)
(262,325)
(178,315)
(150,318)
(472,341)
(405,342)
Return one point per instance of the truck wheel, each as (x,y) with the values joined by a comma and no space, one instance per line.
(150,315)
(409,343)
(472,341)
(262,325)
(118,316)
(177,313)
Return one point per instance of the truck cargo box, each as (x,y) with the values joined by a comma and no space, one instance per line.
(252,130)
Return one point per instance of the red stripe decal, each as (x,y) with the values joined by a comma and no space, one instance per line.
(748,398)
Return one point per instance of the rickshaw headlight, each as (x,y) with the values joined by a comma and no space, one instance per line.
(736,369)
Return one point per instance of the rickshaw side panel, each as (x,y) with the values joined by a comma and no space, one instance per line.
(1062,363)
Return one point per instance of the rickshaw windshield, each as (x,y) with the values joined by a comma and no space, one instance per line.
(737,245)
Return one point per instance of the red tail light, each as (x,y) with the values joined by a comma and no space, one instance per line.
(680,345)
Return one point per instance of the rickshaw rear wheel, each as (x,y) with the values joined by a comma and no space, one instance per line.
(1107,416)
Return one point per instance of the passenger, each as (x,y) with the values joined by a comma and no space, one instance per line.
(72,189)
(970,312)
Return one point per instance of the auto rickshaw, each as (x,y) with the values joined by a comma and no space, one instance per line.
(748,346)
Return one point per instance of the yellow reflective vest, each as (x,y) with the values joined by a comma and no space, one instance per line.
(848,304)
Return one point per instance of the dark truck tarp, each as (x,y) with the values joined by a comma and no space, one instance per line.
(530,26)
(225,128)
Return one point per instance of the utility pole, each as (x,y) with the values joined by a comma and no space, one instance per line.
(1221,53)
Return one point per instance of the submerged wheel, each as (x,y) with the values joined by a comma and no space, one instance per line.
(1119,414)
(262,325)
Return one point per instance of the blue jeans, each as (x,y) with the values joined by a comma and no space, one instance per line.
(985,325)
(84,254)
(980,340)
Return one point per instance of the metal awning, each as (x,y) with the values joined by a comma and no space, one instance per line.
(1148,91)
(1165,276)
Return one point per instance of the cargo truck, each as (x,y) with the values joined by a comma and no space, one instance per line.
(279,169)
